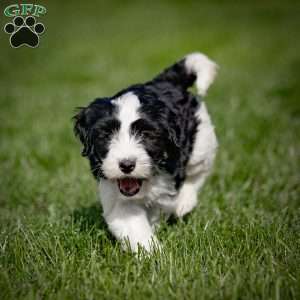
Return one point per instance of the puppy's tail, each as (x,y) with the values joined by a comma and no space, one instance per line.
(193,68)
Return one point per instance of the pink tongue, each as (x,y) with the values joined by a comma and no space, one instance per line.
(129,185)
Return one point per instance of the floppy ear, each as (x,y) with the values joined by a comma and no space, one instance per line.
(86,118)
(82,129)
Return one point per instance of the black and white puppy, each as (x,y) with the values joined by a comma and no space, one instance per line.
(151,147)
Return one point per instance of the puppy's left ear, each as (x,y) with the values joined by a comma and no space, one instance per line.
(83,123)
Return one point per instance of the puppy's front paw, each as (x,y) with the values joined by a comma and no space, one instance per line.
(151,245)
(184,207)
(186,200)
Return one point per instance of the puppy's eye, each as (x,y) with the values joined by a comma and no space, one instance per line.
(106,129)
(152,135)
(103,135)
(144,129)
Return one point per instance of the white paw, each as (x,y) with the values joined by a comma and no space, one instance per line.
(149,245)
(186,200)
(184,207)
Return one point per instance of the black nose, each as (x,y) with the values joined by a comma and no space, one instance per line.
(127,165)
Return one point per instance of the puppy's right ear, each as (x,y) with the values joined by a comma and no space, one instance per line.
(83,127)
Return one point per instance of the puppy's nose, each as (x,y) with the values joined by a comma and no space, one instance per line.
(127,165)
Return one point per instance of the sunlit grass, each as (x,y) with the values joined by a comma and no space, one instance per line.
(242,241)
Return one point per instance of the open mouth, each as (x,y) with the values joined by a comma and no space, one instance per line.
(129,186)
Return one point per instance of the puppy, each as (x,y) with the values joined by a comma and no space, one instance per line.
(151,147)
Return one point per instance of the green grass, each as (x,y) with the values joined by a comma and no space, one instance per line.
(242,241)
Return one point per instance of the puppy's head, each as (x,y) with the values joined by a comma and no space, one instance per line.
(127,141)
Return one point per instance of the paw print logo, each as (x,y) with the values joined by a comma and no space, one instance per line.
(24,32)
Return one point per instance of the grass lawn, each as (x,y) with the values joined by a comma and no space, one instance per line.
(242,241)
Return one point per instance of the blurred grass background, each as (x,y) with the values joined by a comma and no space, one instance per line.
(242,241)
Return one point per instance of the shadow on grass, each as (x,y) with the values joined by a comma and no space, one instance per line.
(174,221)
(89,218)
(90,222)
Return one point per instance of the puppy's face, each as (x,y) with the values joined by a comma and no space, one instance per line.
(126,142)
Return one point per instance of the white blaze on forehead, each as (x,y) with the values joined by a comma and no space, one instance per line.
(124,144)
(128,106)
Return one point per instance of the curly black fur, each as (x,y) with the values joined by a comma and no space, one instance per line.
(167,126)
